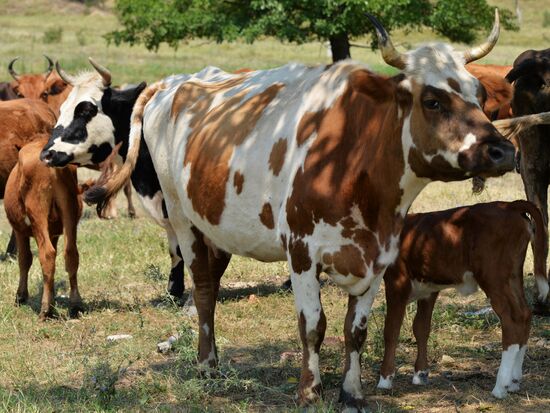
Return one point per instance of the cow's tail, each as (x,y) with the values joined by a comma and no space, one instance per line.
(108,187)
(540,246)
(512,126)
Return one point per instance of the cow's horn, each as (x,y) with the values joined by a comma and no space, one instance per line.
(389,53)
(50,66)
(105,74)
(13,73)
(64,75)
(483,49)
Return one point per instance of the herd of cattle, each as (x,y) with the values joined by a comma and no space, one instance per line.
(314,165)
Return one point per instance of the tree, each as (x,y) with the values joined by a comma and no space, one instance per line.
(153,22)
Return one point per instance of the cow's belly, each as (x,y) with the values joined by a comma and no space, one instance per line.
(421,290)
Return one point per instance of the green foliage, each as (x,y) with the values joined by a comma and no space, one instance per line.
(456,19)
(52,35)
(151,22)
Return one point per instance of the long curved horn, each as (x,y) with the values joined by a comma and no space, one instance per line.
(64,75)
(389,53)
(50,66)
(13,73)
(105,74)
(483,49)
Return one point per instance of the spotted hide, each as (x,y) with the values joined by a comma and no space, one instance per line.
(314,165)
(462,248)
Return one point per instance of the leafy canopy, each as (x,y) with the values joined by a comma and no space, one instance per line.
(152,22)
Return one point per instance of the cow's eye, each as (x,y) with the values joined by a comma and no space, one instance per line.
(432,104)
(44,95)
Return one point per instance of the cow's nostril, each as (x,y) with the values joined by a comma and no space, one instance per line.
(496,154)
(46,156)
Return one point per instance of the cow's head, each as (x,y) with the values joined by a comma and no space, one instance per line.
(446,135)
(47,86)
(531,74)
(93,118)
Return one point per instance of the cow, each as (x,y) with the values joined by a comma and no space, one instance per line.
(117,105)
(531,78)
(314,165)
(464,248)
(44,203)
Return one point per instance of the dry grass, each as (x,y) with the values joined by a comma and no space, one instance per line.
(68,365)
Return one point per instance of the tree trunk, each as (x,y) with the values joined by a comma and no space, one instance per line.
(339,46)
(518,12)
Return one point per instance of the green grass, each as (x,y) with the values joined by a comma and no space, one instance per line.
(67,365)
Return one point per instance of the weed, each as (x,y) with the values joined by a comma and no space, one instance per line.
(53,35)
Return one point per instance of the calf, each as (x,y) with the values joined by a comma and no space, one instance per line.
(44,203)
(480,245)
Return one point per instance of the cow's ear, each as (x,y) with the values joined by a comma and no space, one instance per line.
(57,87)
(374,86)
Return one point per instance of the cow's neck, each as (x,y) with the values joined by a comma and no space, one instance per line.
(119,111)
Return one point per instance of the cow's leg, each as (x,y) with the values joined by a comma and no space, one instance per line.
(11,249)
(71,266)
(206,273)
(110,210)
(396,304)
(46,255)
(509,303)
(25,261)
(355,333)
(421,329)
(312,325)
(535,183)
(176,285)
(128,194)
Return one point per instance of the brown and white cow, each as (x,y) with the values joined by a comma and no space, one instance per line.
(44,203)
(464,248)
(314,165)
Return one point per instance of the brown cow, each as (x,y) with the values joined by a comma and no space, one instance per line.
(462,248)
(44,203)
(499,90)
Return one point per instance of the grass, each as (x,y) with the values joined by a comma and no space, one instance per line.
(67,365)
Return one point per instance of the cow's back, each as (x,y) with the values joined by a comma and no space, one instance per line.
(239,146)
(20,121)
(448,243)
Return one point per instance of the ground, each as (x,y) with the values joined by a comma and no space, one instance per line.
(68,365)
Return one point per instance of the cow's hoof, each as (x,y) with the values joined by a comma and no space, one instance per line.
(45,315)
(541,309)
(500,392)
(75,310)
(514,386)
(310,395)
(351,404)
(21,298)
(385,383)
(420,378)
(131,214)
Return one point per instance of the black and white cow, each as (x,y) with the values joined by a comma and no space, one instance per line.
(103,111)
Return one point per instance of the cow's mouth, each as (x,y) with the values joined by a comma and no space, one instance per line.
(55,159)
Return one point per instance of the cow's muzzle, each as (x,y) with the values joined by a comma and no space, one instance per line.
(55,159)
(489,158)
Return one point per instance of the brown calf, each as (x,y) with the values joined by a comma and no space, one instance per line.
(44,203)
(480,245)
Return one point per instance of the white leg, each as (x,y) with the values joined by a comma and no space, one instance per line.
(312,325)
(504,376)
(517,370)
(386,383)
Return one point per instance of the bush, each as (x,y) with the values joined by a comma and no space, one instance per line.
(52,35)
